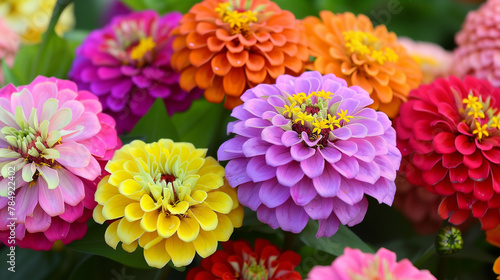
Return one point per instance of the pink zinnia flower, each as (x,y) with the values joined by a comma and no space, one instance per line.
(478,51)
(9,45)
(308,147)
(127,64)
(354,264)
(53,143)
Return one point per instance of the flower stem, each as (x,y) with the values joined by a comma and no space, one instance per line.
(58,9)
(428,253)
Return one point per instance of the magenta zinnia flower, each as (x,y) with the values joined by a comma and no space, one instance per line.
(127,64)
(53,143)
(308,147)
(354,264)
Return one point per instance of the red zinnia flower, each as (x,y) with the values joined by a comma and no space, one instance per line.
(449,133)
(240,261)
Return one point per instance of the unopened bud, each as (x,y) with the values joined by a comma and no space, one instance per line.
(449,241)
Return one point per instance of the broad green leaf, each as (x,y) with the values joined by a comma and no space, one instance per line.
(310,258)
(155,125)
(94,243)
(335,244)
(55,60)
(45,263)
(23,64)
(9,75)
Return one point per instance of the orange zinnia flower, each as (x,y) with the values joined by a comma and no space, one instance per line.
(227,47)
(349,47)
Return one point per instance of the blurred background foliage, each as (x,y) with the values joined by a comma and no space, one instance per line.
(204,125)
(426,20)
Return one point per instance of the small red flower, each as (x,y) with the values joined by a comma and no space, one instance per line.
(240,261)
(448,132)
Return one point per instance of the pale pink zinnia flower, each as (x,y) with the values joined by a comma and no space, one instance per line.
(9,45)
(478,51)
(354,264)
(53,141)
(434,60)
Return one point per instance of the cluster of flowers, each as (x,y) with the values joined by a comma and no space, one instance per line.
(307,145)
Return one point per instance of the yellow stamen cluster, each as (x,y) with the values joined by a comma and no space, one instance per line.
(367,44)
(239,22)
(145,45)
(477,112)
(301,105)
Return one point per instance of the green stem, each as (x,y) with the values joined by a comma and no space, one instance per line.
(429,253)
(58,9)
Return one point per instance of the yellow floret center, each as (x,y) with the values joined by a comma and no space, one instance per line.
(311,113)
(366,44)
(238,18)
(145,45)
(482,119)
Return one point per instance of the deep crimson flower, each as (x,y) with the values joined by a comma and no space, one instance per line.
(240,261)
(448,131)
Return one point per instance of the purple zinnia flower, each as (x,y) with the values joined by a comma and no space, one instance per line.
(308,147)
(127,64)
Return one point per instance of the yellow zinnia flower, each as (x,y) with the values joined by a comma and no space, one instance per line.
(30,18)
(169,199)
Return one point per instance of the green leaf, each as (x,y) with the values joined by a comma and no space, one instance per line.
(46,263)
(135,4)
(23,64)
(203,125)
(161,6)
(155,125)
(9,75)
(335,244)
(94,243)
(56,59)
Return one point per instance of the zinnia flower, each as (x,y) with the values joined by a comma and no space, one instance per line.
(352,49)
(53,137)
(448,132)
(127,64)
(354,264)
(239,261)
(167,198)
(477,52)
(226,47)
(434,61)
(493,236)
(30,18)
(496,267)
(308,147)
(9,45)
